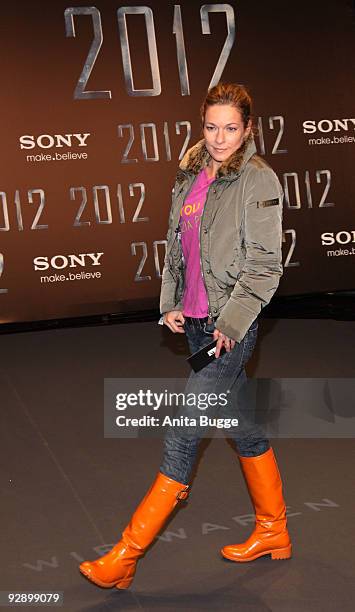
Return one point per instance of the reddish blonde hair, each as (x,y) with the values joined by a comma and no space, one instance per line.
(229,93)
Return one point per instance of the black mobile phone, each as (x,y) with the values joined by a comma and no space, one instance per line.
(204,356)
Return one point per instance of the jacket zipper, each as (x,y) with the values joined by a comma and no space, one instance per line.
(178,229)
(202,274)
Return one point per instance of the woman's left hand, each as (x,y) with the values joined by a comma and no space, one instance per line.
(222,340)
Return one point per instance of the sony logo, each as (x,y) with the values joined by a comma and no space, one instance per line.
(342,237)
(46,141)
(328,125)
(67,261)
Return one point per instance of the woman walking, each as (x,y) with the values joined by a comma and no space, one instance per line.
(222,266)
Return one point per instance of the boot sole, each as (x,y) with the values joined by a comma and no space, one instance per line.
(120,584)
(276,554)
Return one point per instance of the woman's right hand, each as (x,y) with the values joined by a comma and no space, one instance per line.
(174,319)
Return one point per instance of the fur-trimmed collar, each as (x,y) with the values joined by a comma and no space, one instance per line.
(197,157)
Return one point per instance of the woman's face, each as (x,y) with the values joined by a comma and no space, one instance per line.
(224,131)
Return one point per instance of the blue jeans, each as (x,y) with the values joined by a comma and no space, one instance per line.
(225,374)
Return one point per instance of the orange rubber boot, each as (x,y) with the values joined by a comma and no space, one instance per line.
(117,567)
(270,535)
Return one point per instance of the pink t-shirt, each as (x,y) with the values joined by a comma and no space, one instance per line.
(195,302)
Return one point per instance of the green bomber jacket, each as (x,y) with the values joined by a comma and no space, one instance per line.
(240,238)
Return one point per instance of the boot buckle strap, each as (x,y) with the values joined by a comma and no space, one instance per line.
(183,494)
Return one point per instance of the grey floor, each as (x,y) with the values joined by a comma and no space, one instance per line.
(67,491)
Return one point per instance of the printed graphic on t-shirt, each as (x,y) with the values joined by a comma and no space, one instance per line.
(190,216)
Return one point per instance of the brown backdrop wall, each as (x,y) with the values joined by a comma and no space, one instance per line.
(86,177)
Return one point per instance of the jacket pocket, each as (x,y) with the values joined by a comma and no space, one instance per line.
(228,275)
(233,272)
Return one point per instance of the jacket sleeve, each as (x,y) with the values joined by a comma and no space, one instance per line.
(169,281)
(262,269)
